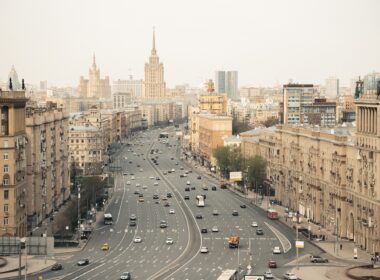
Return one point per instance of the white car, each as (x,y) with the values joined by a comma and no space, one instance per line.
(204,250)
(187,182)
(145,186)
(169,241)
(133,177)
(141,170)
(254,224)
(155,183)
(268,275)
(137,239)
(173,170)
(214,229)
(128,182)
(171,211)
(276,250)
(137,185)
(151,177)
(290,276)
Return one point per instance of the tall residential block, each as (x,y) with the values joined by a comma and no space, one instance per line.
(227,82)
(13,182)
(48,182)
(332,87)
(154,84)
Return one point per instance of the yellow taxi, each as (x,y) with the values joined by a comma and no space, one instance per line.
(105,247)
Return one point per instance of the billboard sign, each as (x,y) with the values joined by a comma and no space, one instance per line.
(236,176)
(254,277)
(300,244)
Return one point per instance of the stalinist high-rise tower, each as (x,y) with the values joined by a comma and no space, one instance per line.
(154,84)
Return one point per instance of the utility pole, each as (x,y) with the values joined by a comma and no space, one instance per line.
(297,241)
(78,213)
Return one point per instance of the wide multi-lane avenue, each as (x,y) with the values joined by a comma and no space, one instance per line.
(145,165)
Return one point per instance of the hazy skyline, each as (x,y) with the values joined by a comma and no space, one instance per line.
(266,41)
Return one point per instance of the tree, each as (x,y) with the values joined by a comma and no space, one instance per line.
(256,171)
(270,122)
(239,127)
(222,156)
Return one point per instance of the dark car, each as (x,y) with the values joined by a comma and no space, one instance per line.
(141,195)
(132,223)
(169,195)
(187,189)
(192,188)
(259,231)
(163,224)
(272,264)
(213,188)
(198,216)
(243,206)
(155,196)
(204,230)
(181,176)
(136,192)
(199,177)
(138,165)
(318,259)
(166,204)
(235,213)
(56,267)
(205,188)
(83,262)
(186,197)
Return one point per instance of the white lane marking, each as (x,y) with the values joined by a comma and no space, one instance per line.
(285,243)
(97,267)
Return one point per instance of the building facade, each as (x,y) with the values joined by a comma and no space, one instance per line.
(94,87)
(227,82)
(213,103)
(48,182)
(13,142)
(128,86)
(332,87)
(154,84)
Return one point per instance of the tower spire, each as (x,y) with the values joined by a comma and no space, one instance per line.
(154,52)
(93,61)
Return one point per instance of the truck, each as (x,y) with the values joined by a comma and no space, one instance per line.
(200,200)
(233,242)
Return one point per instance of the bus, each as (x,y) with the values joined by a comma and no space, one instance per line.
(200,201)
(228,274)
(108,219)
(272,214)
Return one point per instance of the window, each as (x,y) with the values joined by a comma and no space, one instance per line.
(5,207)
(5,181)
(72,140)
(6,194)
(5,221)
(6,168)
(5,156)
(5,143)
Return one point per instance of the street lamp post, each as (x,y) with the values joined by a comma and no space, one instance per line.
(78,213)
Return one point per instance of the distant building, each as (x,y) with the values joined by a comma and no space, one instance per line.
(121,99)
(15,81)
(370,81)
(131,86)
(332,87)
(154,84)
(296,97)
(94,87)
(43,85)
(320,113)
(227,82)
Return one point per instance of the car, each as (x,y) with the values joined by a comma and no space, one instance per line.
(318,259)
(132,223)
(176,163)
(136,192)
(132,217)
(213,188)
(137,239)
(155,196)
(144,187)
(215,212)
(133,177)
(151,177)
(105,247)
(156,163)
(188,183)
(125,276)
(235,213)
(138,165)
(205,188)
(272,264)
(169,195)
(158,178)
(155,184)
(199,177)
(259,231)
(204,250)
(141,170)
(128,182)
(243,206)
(137,185)
(198,216)
(254,224)
(141,199)
(290,276)
(215,229)
(172,158)
(186,197)
(276,250)
(164,198)
(181,176)
(173,170)
(165,173)
(56,267)
(83,262)
(125,173)
(167,204)
(204,230)
(169,171)
(192,188)
(171,211)
(187,189)
(141,195)
(169,241)
(268,275)
(163,224)
(181,168)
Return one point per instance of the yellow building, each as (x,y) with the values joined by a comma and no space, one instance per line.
(48,182)
(213,103)
(329,175)
(13,141)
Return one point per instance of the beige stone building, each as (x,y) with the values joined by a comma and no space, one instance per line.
(329,175)
(94,87)
(212,130)
(213,103)
(48,182)
(153,86)
(13,142)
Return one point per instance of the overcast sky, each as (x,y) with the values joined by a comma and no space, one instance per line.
(267,41)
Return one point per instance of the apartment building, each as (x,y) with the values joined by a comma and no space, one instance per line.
(48,182)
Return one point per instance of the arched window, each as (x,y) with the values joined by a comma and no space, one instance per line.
(4,120)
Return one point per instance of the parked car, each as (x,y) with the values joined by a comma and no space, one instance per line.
(318,259)
(290,276)
(56,267)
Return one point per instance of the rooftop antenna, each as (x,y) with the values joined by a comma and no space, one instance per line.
(10,84)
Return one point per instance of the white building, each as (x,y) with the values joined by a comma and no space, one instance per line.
(332,87)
